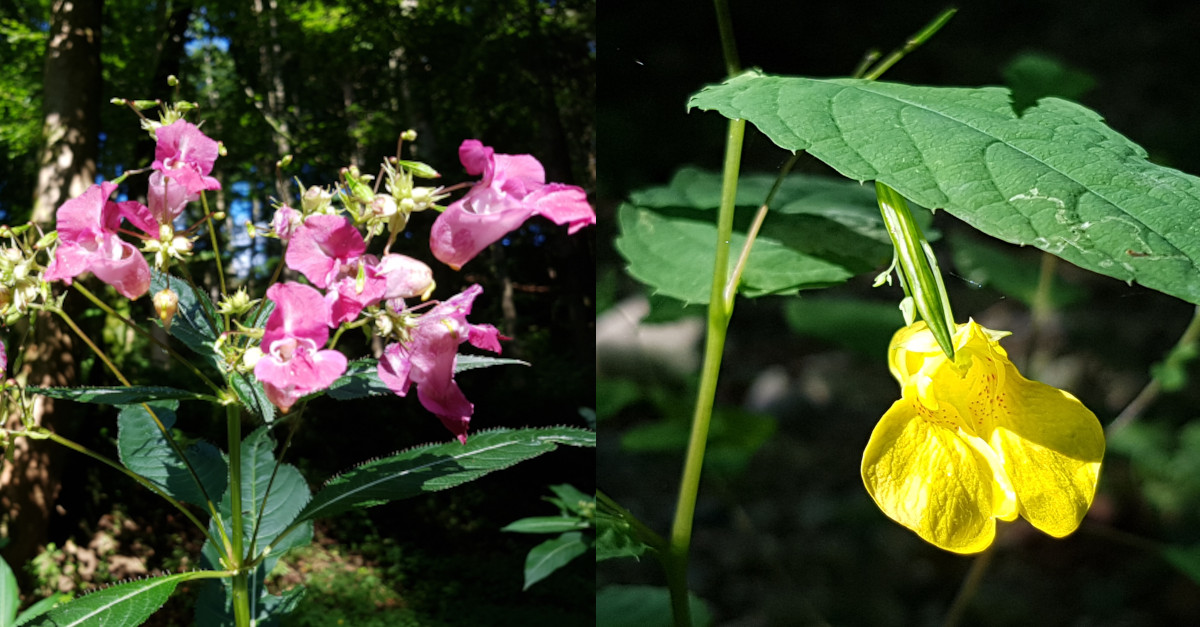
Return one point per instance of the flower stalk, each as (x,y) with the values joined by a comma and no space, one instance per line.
(918,268)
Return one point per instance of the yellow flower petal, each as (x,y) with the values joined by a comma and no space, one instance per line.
(1052,448)
(930,480)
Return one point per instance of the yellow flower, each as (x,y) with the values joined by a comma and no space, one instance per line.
(972,440)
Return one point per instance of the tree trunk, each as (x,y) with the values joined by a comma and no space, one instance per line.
(71,97)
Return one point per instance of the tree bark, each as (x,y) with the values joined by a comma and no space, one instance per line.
(71,100)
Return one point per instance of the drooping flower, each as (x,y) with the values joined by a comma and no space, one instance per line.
(972,441)
(512,190)
(88,242)
(186,154)
(428,357)
(293,364)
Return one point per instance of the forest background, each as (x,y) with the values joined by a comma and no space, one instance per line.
(332,84)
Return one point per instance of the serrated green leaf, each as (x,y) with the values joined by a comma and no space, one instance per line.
(437,467)
(462,363)
(195,321)
(545,524)
(120,395)
(144,449)
(1056,177)
(123,605)
(254,398)
(552,555)
(288,494)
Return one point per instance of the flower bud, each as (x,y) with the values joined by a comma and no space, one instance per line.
(250,359)
(166,303)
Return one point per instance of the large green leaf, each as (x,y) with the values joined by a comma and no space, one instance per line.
(1055,177)
(288,494)
(124,605)
(119,395)
(820,232)
(437,467)
(145,450)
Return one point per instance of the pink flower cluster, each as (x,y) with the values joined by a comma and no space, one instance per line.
(88,224)
(331,253)
(512,190)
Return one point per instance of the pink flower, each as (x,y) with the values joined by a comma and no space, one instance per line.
(187,155)
(348,296)
(168,198)
(3,360)
(88,242)
(328,250)
(427,359)
(406,277)
(321,246)
(292,365)
(513,189)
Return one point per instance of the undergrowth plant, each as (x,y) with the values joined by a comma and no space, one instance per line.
(261,358)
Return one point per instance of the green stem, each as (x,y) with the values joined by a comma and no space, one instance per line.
(95,349)
(149,336)
(1182,350)
(212,233)
(720,310)
(913,42)
(644,533)
(752,234)
(728,44)
(241,591)
(969,587)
